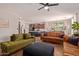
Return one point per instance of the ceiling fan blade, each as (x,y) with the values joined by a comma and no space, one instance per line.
(53,4)
(41,8)
(42,3)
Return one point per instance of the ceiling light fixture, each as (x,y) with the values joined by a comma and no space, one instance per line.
(46,7)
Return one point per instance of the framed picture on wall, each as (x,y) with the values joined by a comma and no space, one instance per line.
(36,26)
(4,23)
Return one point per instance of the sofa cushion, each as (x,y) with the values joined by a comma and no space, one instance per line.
(27,36)
(47,37)
(73,40)
(19,36)
(55,34)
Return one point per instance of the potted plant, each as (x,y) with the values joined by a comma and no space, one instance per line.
(75,27)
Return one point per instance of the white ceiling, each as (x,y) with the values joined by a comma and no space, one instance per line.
(29,12)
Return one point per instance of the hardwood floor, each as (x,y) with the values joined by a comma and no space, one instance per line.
(70,50)
(58,50)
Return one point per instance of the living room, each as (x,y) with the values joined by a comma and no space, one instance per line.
(47,28)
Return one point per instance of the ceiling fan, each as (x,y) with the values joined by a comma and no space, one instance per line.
(47,5)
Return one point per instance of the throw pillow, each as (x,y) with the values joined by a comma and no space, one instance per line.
(45,33)
(61,36)
(13,37)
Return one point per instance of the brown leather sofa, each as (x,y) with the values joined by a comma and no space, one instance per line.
(54,37)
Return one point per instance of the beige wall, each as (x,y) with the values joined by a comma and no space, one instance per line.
(12,28)
(5,33)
